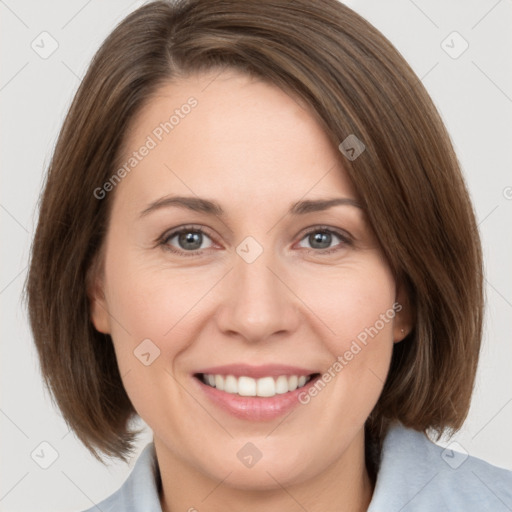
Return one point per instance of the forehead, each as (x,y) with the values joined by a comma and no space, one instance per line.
(229,136)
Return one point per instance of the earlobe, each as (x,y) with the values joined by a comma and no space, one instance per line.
(400,335)
(99,314)
(403,323)
(98,306)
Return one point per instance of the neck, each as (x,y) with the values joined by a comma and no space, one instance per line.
(344,486)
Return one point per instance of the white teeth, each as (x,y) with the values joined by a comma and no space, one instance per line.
(230,384)
(219,382)
(282,384)
(247,386)
(293,382)
(266,387)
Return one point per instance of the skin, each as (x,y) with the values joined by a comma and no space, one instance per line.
(254,150)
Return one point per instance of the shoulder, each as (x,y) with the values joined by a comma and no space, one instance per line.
(416,474)
(139,493)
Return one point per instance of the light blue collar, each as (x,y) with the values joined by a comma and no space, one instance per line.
(415,475)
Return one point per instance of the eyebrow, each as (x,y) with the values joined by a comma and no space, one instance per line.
(198,204)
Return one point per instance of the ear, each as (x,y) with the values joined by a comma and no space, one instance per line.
(98,306)
(404,316)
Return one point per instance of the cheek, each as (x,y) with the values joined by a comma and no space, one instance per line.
(154,323)
(353,302)
(148,298)
(355,307)
(150,305)
(156,314)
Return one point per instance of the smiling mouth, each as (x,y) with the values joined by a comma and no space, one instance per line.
(250,387)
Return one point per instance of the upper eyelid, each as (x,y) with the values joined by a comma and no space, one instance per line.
(187,227)
(336,231)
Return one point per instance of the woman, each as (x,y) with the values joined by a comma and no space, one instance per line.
(255,236)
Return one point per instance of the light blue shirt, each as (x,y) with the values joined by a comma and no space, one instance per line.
(415,475)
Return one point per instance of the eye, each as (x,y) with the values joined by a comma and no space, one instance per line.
(191,240)
(188,239)
(320,240)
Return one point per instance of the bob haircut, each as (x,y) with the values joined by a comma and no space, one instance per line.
(408,180)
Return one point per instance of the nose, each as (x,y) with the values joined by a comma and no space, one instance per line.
(257,303)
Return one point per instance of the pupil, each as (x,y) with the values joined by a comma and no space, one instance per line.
(324,239)
(190,240)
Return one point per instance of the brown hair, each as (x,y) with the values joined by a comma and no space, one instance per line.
(408,180)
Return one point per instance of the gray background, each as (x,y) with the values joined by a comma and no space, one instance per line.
(472,92)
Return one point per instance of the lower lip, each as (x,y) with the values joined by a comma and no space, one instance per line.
(255,408)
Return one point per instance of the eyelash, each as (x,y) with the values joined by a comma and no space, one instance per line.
(166,237)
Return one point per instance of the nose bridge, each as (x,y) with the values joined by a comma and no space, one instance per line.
(258,304)
(255,278)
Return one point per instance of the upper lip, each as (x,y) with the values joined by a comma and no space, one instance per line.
(269,370)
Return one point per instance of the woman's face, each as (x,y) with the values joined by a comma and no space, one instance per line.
(253,274)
